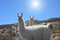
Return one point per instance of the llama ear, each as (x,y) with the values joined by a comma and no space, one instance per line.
(20,14)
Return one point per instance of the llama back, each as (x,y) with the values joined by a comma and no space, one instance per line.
(39,33)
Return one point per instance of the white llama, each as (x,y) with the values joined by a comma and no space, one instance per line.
(34,32)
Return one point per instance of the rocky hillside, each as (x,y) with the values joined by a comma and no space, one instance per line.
(5,30)
(35,21)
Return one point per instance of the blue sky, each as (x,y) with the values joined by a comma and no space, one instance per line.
(10,8)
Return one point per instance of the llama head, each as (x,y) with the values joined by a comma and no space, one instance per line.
(31,17)
(50,25)
(20,15)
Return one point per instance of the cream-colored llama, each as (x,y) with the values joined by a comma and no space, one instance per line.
(35,32)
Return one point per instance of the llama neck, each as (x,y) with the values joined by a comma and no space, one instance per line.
(21,25)
(31,22)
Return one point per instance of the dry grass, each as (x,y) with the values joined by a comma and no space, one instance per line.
(55,36)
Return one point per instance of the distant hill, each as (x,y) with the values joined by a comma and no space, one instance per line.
(35,21)
(54,19)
